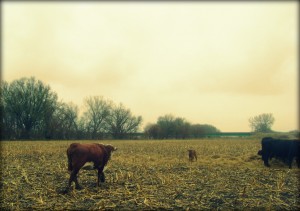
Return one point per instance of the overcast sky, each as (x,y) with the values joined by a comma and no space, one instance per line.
(210,63)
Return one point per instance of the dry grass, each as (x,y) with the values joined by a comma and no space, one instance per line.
(147,175)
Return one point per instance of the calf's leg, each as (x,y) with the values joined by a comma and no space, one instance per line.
(77,164)
(73,177)
(101,176)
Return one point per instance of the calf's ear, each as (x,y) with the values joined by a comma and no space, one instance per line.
(110,147)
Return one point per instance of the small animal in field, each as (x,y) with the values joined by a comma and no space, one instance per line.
(79,154)
(192,155)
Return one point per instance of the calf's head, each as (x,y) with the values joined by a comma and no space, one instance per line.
(259,152)
(110,148)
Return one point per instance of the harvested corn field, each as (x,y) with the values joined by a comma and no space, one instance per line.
(148,175)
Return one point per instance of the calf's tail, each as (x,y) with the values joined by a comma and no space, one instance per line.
(70,167)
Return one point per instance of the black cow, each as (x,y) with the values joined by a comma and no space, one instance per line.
(283,159)
(285,150)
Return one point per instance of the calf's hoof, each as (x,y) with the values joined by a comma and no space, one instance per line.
(66,191)
(78,187)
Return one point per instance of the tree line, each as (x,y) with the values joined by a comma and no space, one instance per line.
(170,127)
(31,110)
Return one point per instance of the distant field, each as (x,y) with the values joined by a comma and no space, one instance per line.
(147,175)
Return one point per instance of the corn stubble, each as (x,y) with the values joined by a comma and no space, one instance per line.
(147,175)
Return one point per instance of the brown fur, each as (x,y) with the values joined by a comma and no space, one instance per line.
(192,155)
(79,154)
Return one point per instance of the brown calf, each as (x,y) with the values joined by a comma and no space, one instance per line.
(192,155)
(79,154)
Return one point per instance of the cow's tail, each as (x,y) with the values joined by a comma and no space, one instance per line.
(70,167)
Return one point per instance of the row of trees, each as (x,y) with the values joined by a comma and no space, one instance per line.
(30,109)
(168,127)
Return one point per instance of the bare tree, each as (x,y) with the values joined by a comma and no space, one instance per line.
(182,128)
(7,123)
(121,122)
(152,131)
(98,110)
(64,122)
(262,123)
(201,130)
(30,104)
(166,124)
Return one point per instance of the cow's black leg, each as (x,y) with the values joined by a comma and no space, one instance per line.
(298,161)
(266,163)
(290,162)
(266,160)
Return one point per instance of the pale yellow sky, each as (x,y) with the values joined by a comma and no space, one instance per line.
(211,63)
